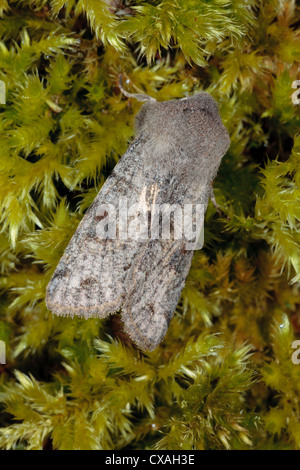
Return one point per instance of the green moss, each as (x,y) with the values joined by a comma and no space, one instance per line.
(223,377)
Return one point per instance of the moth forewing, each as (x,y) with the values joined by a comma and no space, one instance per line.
(119,259)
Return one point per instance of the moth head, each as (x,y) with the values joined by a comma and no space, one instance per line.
(189,123)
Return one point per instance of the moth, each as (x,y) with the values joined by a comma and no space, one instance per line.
(173,160)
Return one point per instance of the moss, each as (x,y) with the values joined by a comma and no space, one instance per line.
(224,376)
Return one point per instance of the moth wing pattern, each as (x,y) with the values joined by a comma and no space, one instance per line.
(151,302)
(89,279)
(97,277)
(159,271)
(173,160)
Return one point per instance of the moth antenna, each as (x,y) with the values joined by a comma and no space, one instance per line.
(137,96)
